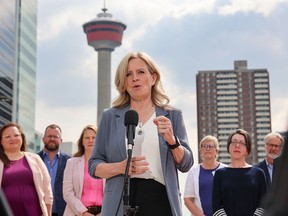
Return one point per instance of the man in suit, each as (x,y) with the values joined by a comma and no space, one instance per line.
(276,201)
(273,146)
(55,161)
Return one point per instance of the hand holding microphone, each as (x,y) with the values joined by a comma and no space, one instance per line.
(138,165)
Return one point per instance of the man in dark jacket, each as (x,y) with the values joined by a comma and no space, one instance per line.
(273,146)
(276,201)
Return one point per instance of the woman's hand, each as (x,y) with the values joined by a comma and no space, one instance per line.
(165,129)
(138,165)
(86,214)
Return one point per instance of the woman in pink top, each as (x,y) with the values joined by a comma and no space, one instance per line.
(82,193)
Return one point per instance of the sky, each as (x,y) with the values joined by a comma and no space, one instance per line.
(183,37)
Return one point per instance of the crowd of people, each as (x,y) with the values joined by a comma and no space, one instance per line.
(92,181)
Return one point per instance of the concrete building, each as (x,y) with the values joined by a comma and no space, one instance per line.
(68,147)
(232,99)
(18,37)
(104,34)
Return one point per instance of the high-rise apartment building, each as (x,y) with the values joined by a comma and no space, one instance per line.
(232,99)
(18,37)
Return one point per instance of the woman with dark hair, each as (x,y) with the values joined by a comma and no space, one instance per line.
(24,178)
(82,193)
(239,188)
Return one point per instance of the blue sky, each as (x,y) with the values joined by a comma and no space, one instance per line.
(183,37)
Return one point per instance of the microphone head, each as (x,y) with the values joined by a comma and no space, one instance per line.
(131,118)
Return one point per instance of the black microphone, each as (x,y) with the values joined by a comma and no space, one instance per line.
(131,121)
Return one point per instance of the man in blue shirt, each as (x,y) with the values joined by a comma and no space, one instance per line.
(55,161)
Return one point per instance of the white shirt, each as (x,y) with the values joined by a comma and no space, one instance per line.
(146,144)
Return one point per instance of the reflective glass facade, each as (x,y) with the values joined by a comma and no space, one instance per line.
(7,58)
(18,37)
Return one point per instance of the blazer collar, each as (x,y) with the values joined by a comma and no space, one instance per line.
(121,131)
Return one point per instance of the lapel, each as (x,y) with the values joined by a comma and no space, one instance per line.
(41,154)
(121,131)
(60,167)
(80,165)
(162,142)
(1,171)
(266,172)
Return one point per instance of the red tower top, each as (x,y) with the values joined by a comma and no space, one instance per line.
(104,32)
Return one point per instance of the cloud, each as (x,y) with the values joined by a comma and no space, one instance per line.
(71,119)
(183,37)
(263,7)
(279,109)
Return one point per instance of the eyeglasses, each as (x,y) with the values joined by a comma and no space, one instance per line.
(273,145)
(53,136)
(235,142)
(208,146)
(9,137)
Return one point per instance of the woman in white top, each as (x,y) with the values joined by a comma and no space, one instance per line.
(199,182)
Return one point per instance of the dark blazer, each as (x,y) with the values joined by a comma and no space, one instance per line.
(276,167)
(264,167)
(58,187)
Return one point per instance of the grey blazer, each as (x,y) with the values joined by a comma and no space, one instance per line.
(110,147)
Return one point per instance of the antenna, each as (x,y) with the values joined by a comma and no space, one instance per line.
(104,9)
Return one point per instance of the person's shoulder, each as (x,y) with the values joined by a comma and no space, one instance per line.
(110,110)
(256,169)
(222,165)
(75,159)
(65,155)
(40,152)
(32,155)
(195,167)
(171,108)
(277,159)
(259,164)
(113,110)
(223,169)
(109,113)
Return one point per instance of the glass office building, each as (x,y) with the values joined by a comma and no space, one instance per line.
(18,38)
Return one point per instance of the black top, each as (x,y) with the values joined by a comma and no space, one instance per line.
(238,191)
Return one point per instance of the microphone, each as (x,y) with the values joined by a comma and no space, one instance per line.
(131,121)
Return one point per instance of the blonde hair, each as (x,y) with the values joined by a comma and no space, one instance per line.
(210,138)
(158,96)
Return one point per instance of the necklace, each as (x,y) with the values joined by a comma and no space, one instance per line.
(143,120)
(140,128)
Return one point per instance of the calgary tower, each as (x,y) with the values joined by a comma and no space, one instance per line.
(104,34)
